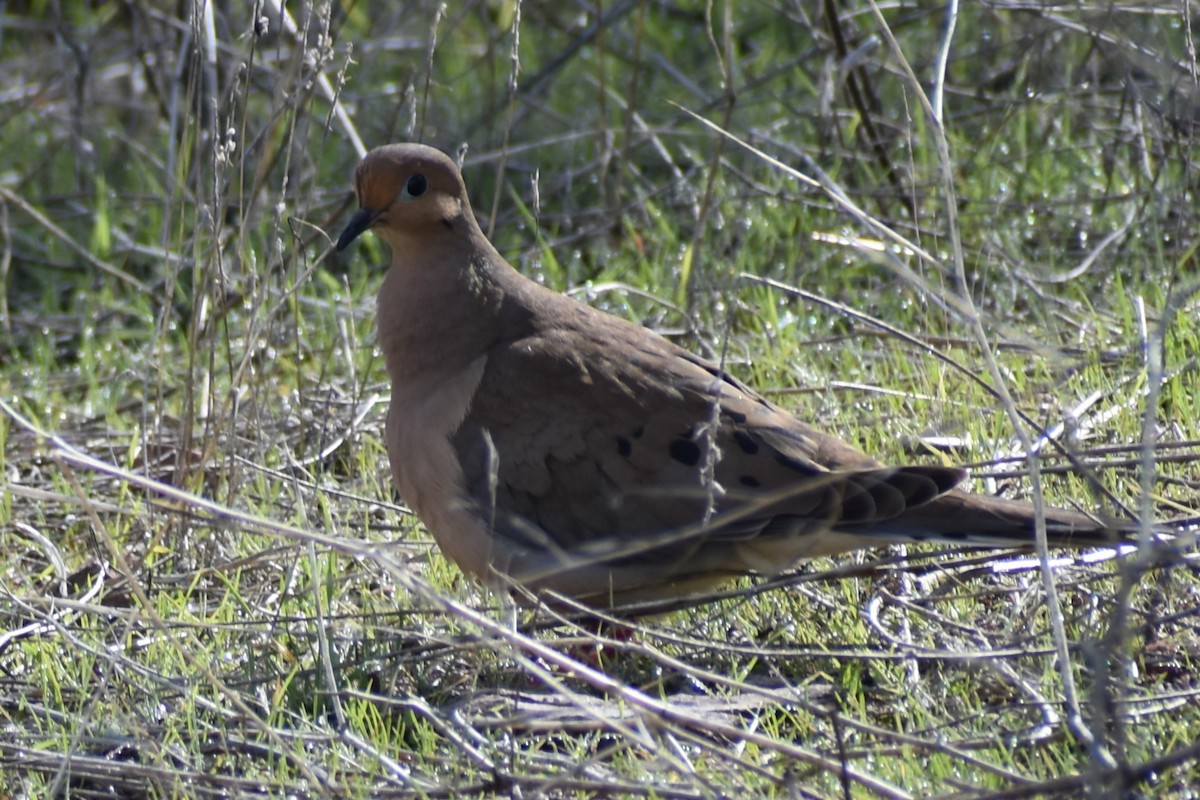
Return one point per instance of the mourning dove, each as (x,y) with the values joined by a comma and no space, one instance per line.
(547,444)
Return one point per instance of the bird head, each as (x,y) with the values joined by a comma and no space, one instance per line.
(407,192)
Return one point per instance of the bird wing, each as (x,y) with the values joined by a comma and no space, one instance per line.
(609,441)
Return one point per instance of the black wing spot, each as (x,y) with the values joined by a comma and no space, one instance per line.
(746,442)
(685,452)
(638,431)
(737,417)
(624,447)
(794,464)
(750,480)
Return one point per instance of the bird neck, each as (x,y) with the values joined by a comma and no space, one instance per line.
(434,324)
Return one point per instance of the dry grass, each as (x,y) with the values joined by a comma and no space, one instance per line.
(208,587)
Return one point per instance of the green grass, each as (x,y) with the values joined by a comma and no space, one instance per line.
(276,624)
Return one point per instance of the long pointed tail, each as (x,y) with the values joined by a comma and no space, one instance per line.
(982,520)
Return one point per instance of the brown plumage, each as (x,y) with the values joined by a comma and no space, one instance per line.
(548,443)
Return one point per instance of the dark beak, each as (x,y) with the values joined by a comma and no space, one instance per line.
(358,223)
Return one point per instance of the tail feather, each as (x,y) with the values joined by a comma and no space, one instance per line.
(982,520)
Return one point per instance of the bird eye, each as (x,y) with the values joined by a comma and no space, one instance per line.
(416,185)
